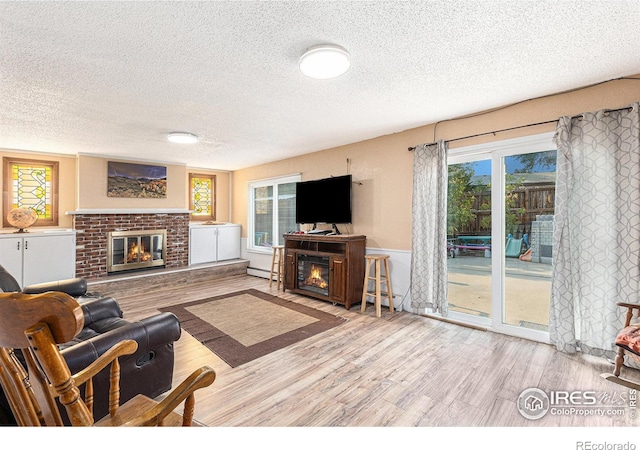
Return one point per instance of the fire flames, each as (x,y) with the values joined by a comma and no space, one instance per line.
(315,278)
(134,251)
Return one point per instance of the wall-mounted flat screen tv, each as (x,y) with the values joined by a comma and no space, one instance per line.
(327,200)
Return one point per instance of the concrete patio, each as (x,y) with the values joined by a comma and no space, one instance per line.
(527,289)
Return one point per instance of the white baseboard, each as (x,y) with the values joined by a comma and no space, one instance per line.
(399,266)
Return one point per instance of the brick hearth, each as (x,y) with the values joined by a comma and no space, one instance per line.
(91,238)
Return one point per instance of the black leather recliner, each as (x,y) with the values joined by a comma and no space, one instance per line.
(148,371)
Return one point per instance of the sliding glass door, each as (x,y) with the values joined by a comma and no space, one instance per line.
(529,207)
(469,239)
(500,229)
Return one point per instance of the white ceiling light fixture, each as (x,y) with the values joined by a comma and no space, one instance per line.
(325,61)
(180,137)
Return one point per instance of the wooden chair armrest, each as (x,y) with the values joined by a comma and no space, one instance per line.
(199,379)
(122,348)
(629,305)
(630,308)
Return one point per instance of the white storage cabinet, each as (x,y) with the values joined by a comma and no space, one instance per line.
(212,243)
(39,257)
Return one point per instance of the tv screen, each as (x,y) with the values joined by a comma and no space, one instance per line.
(324,201)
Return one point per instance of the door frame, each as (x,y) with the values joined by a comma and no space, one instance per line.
(496,152)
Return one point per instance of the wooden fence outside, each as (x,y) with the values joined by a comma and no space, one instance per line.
(534,200)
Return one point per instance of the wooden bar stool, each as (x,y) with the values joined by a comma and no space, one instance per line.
(378,278)
(277,259)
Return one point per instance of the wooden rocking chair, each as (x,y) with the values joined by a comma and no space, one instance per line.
(35,324)
(628,342)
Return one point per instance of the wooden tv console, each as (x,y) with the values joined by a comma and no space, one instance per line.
(345,255)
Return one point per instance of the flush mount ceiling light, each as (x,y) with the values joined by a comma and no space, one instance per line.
(180,137)
(325,61)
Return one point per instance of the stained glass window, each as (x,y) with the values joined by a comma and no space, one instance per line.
(203,197)
(32,189)
(33,184)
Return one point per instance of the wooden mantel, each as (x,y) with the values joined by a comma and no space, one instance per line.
(129,211)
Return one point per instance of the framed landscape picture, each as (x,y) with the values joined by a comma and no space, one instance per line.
(136,180)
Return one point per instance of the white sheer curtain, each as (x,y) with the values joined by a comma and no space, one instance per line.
(429,236)
(596,246)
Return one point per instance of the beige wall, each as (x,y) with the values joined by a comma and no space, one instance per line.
(92,175)
(379,201)
(67,185)
(92,180)
(83,185)
(382,204)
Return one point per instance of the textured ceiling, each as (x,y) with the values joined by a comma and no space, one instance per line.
(112,78)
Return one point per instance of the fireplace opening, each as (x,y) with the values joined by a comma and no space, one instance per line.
(313,274)
(130,250)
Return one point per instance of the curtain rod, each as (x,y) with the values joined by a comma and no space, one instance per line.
(494,132)
(579,116)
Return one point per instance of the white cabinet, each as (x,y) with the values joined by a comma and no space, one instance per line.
(203,245)
(211,243)
(11,256)
(39,257)
(228,242)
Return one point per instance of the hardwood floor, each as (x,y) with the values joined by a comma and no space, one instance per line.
(401,370)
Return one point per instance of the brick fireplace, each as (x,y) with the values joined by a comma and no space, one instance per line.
(133,250)
(92,231)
